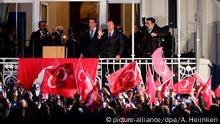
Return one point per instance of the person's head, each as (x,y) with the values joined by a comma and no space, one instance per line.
(42,25)
(71,32)
(150,23)
(23,104)
(135,28)
(60,29)
(130,93)
(92,22)
(110,26)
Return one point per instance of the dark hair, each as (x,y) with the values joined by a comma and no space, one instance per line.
(39,23)
(111,21)
(93,19)
(151,19)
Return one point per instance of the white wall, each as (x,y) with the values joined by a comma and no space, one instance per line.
(187,25)
(211,30)
(157,9)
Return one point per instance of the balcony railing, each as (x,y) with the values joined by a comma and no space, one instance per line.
(182,68)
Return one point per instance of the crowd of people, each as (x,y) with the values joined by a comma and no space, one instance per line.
(22,106)
(108,43)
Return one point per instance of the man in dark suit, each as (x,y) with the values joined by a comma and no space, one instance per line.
(91,44)
(151,36)
(112,42)
(38,39)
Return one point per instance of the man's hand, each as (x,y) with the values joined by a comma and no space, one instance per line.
(100,33)
(153,34)
(117,57)
(81,55)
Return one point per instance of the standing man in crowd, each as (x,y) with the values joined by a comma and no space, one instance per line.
(91,44)
(112,42)
(151,36)
(73,45)
(38,39)
(137,43)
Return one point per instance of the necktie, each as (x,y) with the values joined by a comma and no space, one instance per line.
(109,37)
(91,34)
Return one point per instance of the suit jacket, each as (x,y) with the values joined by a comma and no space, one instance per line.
(36,43)
(91,46)
(113,47)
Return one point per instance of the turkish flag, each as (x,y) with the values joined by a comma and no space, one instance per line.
(201,83)
(93,99)
(125,78)
(165,88)
(185,86)
(217,91)
(84,81)
(59,80)
(150,86)
(29,69)
(207,93)
(157,83)
(160,65)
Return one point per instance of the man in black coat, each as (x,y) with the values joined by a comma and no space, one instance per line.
(91,44)
(112,42)
(151,36)
(72,45)
(38,39)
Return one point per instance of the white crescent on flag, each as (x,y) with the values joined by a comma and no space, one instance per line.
(49,82)
(186,84)
(164,72)
(65,74)
(86,80)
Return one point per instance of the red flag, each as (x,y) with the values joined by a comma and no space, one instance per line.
(94,100)
(29,69)
(160,66)
(157,83)
(84,81)
(150,86)
(125,78)
(201,83)
(59,80)
(207,93)
(165,89)
(217,91)
(185,86)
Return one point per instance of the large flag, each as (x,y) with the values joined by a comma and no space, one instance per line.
(160,66)
(207,93)
(150,86)
(84,81)
(29,69)
(59,80)
(217,91)
(185,86)
(201,83)
(125,78)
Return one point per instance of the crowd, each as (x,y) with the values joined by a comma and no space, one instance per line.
(21,106)
(92,43)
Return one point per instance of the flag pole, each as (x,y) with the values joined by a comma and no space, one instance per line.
(179,33)
(132,28)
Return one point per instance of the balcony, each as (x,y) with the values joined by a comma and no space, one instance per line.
(182,68)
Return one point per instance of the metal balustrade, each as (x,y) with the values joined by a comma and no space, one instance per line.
(187,66)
